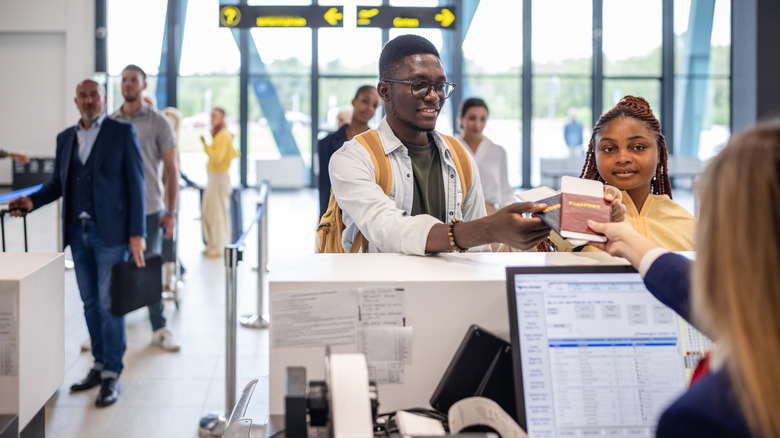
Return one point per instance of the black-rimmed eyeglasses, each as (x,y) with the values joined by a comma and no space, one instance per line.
(421,88)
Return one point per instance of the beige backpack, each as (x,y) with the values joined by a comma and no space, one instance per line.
(331,224)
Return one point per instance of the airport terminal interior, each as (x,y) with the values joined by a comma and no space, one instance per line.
(282,71)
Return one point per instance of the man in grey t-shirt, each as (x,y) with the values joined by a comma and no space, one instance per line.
(158,149)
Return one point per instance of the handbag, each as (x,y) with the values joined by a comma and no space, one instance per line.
(133,287)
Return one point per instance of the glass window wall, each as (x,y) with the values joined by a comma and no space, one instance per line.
(562,55)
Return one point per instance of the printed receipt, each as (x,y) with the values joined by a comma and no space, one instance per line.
(383,336)
(9,337)
(382,307)
(310,319)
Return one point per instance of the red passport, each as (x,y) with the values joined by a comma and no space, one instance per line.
(582,200)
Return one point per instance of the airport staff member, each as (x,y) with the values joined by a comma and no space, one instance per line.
(99,173)
(425,197)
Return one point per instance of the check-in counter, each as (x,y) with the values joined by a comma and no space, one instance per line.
(441,296)
(32,326)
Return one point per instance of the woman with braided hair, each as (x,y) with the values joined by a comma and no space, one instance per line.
(628,151)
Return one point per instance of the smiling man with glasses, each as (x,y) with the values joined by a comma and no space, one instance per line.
(426,210)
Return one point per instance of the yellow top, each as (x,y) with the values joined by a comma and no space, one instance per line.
(661,220)
(220,152)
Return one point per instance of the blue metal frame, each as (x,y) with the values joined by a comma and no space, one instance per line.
(694,72)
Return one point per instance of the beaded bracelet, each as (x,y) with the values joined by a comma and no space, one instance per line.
(451,234)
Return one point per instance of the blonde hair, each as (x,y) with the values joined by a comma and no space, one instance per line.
(737,271)
(175,117)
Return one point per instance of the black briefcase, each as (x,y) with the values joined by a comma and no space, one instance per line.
(133,287)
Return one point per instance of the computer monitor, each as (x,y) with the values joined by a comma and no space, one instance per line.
(594,353)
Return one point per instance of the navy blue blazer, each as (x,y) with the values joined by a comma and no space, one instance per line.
(119,188)
(710,408)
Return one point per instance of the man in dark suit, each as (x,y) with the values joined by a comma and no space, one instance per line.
(99,173)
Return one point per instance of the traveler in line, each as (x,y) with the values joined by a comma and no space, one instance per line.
(159,152)
(364,106)
(99,173)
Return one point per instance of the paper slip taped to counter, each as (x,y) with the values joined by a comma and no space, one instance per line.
(333,317)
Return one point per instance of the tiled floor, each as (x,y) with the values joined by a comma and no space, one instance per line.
(166,394)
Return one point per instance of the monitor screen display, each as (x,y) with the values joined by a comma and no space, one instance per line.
(594,353)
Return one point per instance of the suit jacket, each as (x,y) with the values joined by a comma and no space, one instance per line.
(710,408)
(118,183)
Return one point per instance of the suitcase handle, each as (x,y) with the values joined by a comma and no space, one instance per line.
(2,224)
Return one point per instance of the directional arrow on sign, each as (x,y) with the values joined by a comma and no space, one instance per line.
(365,15)
(445,18)
(333,16)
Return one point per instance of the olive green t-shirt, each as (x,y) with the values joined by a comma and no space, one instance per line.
(428,184)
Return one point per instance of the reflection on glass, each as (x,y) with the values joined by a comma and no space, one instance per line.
(349,51)
(206,47)
(283,50)
(561,41)
(632,35)
(127,43)
(556,100)
(649,89)
(702,86)
(502,95)
(714,130)
(294,93)
(494,21)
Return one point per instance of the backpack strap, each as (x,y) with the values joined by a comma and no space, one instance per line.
(382,172)
(462,163)
(370,140)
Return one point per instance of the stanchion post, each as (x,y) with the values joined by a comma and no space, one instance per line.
(213,424)
(264,229)
(258,321)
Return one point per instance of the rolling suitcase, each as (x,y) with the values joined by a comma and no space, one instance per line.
(2,226)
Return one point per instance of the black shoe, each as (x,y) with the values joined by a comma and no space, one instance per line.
(109,392)
(92,380)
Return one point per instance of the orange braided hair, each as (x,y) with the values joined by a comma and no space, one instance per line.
(637,108)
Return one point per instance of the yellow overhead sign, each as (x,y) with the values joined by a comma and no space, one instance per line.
(244,16)
(388,17)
